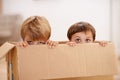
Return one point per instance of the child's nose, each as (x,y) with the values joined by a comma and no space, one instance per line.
(35,43)
(83,41)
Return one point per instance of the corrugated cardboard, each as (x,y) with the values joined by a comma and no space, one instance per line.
(3,69)
(82,62)
(89,78)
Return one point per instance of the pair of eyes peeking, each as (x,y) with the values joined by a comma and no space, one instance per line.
(81,41)
(76,40)
(33,43)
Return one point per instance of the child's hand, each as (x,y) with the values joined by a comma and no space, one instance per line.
(72,44)
(22,44)
(103,43)
(52,44)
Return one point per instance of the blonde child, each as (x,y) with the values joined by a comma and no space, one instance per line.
(36,30)
(82,32)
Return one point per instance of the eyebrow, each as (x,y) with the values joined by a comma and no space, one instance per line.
(89,37)
(78,36)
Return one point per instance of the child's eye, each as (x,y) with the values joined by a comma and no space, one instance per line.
(88,40)
(41,43)
(78,40)
(30,42)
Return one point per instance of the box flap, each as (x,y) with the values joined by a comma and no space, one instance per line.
(5,48)
(88,78)
(39,62)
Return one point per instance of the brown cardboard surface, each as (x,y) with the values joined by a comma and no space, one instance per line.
(89,78)
(5,48)
(38,62)
(3,70)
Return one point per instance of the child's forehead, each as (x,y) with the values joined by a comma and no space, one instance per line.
(86,33)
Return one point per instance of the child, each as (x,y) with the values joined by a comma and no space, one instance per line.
(36,30)
(82,32)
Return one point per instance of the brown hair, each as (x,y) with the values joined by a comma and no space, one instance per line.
(36,27)
(80,27)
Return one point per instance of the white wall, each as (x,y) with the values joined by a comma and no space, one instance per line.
(115,23)
(62,13)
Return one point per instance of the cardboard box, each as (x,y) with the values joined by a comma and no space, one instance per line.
(3,69)
(82,62)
